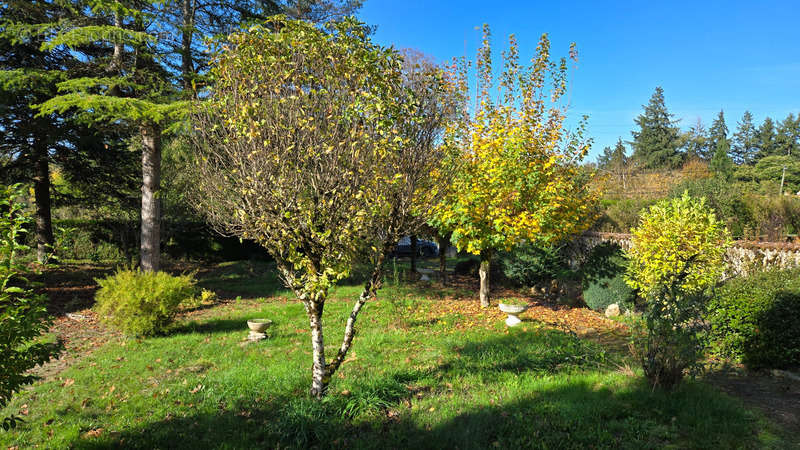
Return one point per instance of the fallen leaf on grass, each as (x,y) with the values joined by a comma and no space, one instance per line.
(197,389)
(93,433)
(68,382)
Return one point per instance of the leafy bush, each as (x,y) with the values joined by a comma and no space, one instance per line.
(23,316)
(603,279)
(677,239)
(755,319)
(605,291)
(142,303)
(727,200)
(621,215)
(528,265)
(675,259)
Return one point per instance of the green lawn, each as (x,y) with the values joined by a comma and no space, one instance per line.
(412,380)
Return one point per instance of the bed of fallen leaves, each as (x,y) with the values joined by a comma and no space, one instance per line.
(582,321)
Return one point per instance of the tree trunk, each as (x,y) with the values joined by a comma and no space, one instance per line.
(319,377)
(187,66)
(444,244)
(486,257)
(151,209)
(41,190)
(115,68)
(414,249)
(370,291)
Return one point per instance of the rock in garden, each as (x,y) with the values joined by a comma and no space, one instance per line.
(612,310)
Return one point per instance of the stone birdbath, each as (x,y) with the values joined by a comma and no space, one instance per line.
(513,311)
(258,329)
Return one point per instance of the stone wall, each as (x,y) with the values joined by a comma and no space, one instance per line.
(743,257)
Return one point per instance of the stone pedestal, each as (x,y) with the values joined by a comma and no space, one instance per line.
(256,336)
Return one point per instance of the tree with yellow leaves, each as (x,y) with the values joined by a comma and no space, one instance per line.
(517,170)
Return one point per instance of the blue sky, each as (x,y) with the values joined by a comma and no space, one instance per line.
(730,55)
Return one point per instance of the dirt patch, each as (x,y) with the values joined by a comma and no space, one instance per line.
(778,398)
(81,334)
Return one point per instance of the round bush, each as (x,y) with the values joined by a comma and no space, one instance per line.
(756,319)
(605,291)
(142,303)
(603,279)
(679,242)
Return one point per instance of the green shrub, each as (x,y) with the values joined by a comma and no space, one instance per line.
(679,238)
(142,303)
(605,291)
(621,215)
(676,258)
(528,265)
(603,280)
(756,319)
(23,315)
(728,201)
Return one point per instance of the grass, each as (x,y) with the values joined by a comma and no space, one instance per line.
(411,380)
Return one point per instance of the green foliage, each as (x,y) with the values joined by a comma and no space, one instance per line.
(676,257)
(529,264)
(468,388)
(142,303)
(23,315)
(622,215)
(656,143)
(755,319)
(329,180)
(730,202)
(671,339)
(677,240)
(721,162)
(745,141)
(603,279)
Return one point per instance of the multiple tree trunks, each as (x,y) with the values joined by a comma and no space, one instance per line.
(321,372)
(151,207)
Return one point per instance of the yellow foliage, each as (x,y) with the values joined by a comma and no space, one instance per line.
(517,176)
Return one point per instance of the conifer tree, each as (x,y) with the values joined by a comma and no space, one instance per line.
(124,84)
(656,143)
(787,140)
(717,132)
(721,163)
(29,75)
(765,139)
(745,141)
(697,142)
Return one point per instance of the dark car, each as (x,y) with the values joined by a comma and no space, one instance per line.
(425,249)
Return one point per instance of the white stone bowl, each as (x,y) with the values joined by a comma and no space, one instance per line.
(259,325)
(512,309)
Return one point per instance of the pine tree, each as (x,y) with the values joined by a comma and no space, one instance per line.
(717,132)
(125,84)
(765,139)
(787,140)
(722,164)
(656,143)
(29,75)
(745,141)
(697,142)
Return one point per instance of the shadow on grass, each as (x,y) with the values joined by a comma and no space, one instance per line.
(562,408)
(574,414)
(210,326)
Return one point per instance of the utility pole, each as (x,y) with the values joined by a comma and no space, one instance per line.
(783,175)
